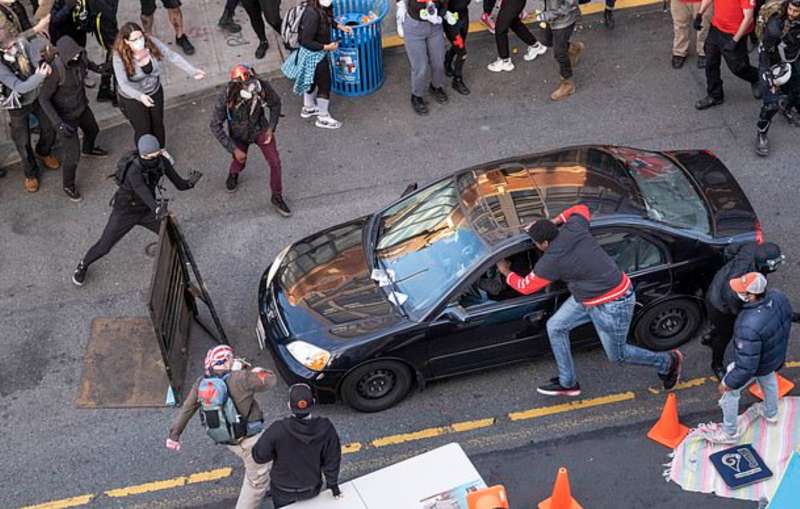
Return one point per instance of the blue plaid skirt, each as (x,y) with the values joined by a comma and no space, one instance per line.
(300,67)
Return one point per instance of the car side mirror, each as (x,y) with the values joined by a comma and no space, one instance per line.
(456,313)
(409,189)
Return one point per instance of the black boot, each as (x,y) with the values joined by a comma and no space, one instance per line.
(104,92)
(227,23)
(460,87)
(762,143)
(448,62)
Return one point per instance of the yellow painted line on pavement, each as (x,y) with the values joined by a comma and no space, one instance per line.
(63,503)
(392,41)
(210,475)
(793,364)
(688,384)
(534,413)
(458,427)
(351,448)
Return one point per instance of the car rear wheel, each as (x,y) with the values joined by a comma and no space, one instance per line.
(376,386)
(668,325)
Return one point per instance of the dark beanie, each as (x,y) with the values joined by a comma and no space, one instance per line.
(543,230)
(764,252)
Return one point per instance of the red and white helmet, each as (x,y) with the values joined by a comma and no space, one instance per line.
(218,356)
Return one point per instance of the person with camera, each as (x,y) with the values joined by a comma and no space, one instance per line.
(778,66)
(134,203)
(23,69)
(63,99)
(302,449)
(240,383)
(250,107)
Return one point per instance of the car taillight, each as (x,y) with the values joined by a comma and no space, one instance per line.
(759,233)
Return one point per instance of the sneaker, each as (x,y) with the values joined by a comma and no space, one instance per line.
(73,194)
(460,87)
(79,276)
(487,20)
(673,376)
(227,23)
(761,411)
(309,112)
(534,51)
(554,388)
(327,122)
(714,433)
(231,182)
(185,45)
(419,105)
(501,64)
(95,152)
(439,95)
(31,184)
(280,205)
(261,50)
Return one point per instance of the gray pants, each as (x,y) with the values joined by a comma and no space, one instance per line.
(425,49)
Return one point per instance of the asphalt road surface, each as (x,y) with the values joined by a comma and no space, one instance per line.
(627,94)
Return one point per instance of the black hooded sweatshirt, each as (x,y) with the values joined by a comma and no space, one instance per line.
(63,95)
(301,451)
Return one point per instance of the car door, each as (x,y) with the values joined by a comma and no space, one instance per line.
(488,334)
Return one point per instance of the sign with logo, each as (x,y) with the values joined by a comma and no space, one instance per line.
(740,466)
(346,65)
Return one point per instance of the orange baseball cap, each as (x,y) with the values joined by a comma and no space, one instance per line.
(752,282)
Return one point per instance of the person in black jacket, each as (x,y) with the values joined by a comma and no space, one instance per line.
(103,14)
(761,338)
(63,99)
(135,202)
(70,18)
(250,107)
(302,449)
(722,304)
(456,28)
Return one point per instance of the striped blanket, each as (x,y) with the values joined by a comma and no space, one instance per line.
(300,68)
(693,471)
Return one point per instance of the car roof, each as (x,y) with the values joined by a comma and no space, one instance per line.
(501,198)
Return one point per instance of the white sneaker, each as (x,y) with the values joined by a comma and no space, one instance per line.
(761,411)
(309,112)
(534,51)
(714,433)
(501,65)
(328,122)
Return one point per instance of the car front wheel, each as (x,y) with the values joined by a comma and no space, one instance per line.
(376,386)
(668,325)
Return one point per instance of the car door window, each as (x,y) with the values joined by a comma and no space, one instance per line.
(630,251)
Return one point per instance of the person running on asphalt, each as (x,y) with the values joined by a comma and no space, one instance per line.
(302,449)
(761,338)
(243,383)
(722,303)
(134,203)
(601,294)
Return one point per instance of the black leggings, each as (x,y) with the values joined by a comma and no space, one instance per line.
(508,18)
(123,218)
(322,79)
(269,9)
(721,334)
(146,120)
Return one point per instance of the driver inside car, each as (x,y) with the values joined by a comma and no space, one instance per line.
(492,286)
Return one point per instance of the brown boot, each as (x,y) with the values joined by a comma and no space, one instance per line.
(31,184)
(50,162)
(565,89)
(574,52)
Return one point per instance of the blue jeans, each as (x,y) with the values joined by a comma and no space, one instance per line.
(612,321)
(729,402)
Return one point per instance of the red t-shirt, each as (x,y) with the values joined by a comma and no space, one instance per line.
(728,15)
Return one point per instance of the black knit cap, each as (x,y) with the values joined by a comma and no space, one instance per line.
(301,399)
(543,230)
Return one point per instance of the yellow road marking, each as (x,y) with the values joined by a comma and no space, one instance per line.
(458,427)
(351,448)
(63,503)
(792,364)
(533,413)
(392,41)
(210,475)
(688,384)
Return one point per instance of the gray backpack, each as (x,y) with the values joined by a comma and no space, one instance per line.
(290,27)
(218,414)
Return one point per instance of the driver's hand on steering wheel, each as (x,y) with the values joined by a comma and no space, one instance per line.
(504,267)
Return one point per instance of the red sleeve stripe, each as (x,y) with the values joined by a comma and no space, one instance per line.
(581,210)
(528,285)
(613,294)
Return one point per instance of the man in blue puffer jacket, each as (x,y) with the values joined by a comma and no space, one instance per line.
(760,336)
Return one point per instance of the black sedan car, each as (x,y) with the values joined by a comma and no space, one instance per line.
(368,309)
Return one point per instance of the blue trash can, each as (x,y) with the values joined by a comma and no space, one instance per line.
(357,65)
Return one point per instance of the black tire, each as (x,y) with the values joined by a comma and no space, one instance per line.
(668,325)
(376,386)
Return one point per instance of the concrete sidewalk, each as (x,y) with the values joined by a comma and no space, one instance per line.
(217,51)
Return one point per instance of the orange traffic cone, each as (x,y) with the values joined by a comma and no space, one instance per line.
(562,497)
(488,498)
(784,386)
(668,430)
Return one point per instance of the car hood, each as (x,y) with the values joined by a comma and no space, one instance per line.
(323,287)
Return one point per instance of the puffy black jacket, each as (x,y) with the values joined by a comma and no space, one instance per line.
(761,337)
(244,122)
(741,261)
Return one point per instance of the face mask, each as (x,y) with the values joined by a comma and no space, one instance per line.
(8,57)
(325,3)
(246,94)
(150,164)
(743,297)
(138,44)
(249,90)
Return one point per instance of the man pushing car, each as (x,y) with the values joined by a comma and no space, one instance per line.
(601,294)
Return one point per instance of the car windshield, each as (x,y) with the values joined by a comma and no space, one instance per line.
(668,194)
(426,244)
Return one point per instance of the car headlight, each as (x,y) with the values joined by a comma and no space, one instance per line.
(273,269)
(310,356)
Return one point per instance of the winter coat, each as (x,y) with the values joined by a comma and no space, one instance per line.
(26,86)
(245,121)
(63,95)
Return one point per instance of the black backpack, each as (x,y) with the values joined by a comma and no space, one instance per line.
(122,167)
